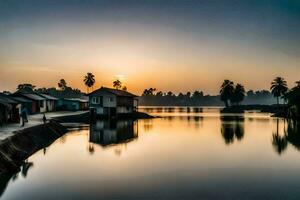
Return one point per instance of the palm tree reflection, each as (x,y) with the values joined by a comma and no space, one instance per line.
(291,136)
(232,127)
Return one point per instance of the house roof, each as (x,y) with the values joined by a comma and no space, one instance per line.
(7,99)
(22,99)
(76,99)
(115,92)
(33,96)
(48,97)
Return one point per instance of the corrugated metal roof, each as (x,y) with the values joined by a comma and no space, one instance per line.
(115,92)
(76,99)
(33,96)
(7,99)
(48,97)
(22,99)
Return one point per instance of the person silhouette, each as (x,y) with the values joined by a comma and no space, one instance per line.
(24,117)
(44,119)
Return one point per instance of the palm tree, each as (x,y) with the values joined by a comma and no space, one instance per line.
(238,94)
(278,88)
(226,91)
(293,97)
(117,84)
(62,84)
(89,81)
(25,87)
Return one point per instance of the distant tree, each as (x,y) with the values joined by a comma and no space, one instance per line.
(149,92)
(197,94)
(170,94)
(250,93)
(124,88)
(41,90)
(278,88)
(159,94)
(25,87)
(89,81)
(238,94)
(293,97)
(226,91)
(62,84)
(117,84)
(188,95)
(6,92)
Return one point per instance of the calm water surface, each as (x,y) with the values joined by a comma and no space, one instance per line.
(189,153)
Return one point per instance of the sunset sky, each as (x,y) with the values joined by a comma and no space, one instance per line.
(177,45)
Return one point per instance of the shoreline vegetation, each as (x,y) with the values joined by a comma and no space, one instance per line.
(280,100)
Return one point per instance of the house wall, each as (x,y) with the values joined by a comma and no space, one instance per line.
(68,105)
(35,107)
(124,109)
(43,106)
(49,105)
(108,101)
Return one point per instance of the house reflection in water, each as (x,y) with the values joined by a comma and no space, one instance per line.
(112,132)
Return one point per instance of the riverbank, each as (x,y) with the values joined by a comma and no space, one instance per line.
(85,117)
(18,147)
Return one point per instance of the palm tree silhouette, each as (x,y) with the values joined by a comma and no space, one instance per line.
(293,97)
(62,84)
(117,84)
(238,94)
(226,91)
(89,80)
(278,88)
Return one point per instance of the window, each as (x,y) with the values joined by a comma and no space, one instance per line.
(111,99)
(96,100)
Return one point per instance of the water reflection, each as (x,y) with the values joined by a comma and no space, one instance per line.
(112,132)
(232,127)
(177,151)
(291,136)
(172,109)
(6,177)
(148,125)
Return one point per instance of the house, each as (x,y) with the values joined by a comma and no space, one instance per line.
(38,103)
(112,102)
(72,104)
(25,103)
(50,102)
(9,109)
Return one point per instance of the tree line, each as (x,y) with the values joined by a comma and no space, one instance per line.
(63,90)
